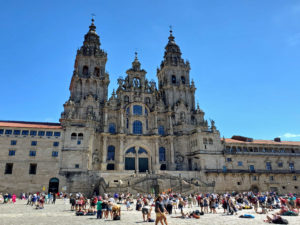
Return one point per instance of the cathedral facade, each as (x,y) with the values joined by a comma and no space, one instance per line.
(144,137)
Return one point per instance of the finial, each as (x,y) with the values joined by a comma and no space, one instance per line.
(93,17)
(198,107)
(135,53)
(92,26)
(171,37)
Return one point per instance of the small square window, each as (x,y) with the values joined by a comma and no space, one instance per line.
(229,160)
(33,133)
(32,169)
(11,152)
(56,144)
(240,163)
(41,133)
(271,178)
(1,131)
(54,154)
(13,142)
(32,153)
(294,177)
(25,132)
(78,142)
(49,133)
(8,131)
(76,166)
(57,134)
(238,183)
(8,168)
(33,143)
(254,178)
(17,132)
(280,164)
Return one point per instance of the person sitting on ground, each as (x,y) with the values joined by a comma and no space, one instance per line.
(276,220)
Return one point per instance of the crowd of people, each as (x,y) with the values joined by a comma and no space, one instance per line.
(108,206)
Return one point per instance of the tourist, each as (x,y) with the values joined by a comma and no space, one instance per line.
(276,220)
(14,198)
(116,211)
(160,211)
(99,208)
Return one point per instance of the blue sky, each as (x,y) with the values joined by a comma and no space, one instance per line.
(244,55)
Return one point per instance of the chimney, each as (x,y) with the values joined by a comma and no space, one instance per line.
(277,139)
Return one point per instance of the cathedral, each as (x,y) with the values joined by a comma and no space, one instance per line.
(145,137)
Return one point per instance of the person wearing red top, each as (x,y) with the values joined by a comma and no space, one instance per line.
(298,204)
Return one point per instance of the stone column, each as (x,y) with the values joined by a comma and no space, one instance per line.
(105,121)
(104,153)
(156,167)
(136,160)
(155,123)
(122,121)
(121,155)
(170,124)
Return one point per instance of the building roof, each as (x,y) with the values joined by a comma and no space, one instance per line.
(23,124)
(269,142)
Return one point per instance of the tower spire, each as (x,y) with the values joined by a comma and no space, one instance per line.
(171,37)
(92,26)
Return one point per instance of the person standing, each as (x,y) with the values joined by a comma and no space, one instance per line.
(54,198)
(14,197)
(99,209)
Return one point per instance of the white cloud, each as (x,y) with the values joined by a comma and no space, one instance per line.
(289,135)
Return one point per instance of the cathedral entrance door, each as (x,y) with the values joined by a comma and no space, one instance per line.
(53,185)
(129,163)
(143,165)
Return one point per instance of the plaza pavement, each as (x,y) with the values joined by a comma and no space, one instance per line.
(60,214)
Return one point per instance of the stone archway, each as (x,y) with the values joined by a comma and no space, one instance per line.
(53,185)
(254,189)
(137,158)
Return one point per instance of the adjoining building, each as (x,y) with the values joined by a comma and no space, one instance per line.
(144,137)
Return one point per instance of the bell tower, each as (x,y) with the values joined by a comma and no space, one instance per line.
(89,84)
(174,77)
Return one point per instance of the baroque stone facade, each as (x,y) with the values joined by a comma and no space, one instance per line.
(145,137)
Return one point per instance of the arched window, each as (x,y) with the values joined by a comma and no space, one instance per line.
(182,79)
(162,154)
(127,123)
(85,70)
(210,141)
(137,110)
(131,150)
(141,151)
(96,72)
(173,79)
(73,136)
(137,127)
(80,136)
(112,128)
(126,98)
(111,152)
(161,130)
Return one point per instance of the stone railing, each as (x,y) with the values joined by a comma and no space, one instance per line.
(252,171)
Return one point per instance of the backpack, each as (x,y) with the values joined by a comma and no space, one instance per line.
(117,218)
